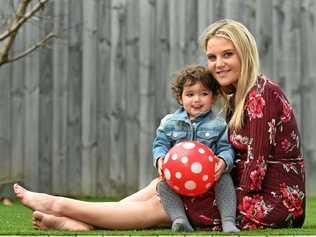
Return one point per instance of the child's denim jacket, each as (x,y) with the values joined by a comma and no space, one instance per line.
(206,128)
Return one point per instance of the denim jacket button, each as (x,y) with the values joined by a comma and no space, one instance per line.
(207,134)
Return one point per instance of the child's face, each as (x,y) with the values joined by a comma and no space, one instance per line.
(196,99)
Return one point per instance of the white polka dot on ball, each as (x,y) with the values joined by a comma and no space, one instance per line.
(188,145)
(190,185)
(205,177)
(201,150)
(184,159)
(178,175)
(196,168)
(174,156)
(167,174)
(210,158)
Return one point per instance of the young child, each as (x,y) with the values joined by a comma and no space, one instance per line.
(195,90)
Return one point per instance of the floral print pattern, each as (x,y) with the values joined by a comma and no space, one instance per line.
(287,110)
(255,105)
(293,199)
(254,207)
(257,175)
(272,131)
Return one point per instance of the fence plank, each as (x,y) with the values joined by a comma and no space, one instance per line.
(18,111)
(5,118)
(31,139)
(146,111)
(74,98)
(60,98)
(45,108)
(117,90)
(132,98)
(264,37)
(104,187)
(88,112)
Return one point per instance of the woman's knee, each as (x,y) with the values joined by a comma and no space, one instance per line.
(157,208)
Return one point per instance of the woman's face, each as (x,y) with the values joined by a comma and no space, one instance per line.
(223,61)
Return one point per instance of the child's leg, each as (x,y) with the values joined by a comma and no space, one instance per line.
(226,202)
(173,205)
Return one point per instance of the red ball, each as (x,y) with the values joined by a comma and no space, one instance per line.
(189,168)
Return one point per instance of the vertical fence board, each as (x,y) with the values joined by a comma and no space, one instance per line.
(232,8)
(146,112)
(161,78)
(31,139)
(5,118)
(17,111)
(264,37)
(104,187)
(191,32)
(117,100)
(45,107)
(132,98)
(89,78)
(5,107)
(74,130)
(60,93)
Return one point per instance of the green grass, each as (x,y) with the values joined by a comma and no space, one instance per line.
(16,220)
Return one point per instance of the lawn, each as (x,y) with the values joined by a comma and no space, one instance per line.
(16,220)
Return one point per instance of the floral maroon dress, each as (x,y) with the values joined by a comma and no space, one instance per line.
(269,174)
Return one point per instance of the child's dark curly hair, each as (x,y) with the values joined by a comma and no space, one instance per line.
(190,75)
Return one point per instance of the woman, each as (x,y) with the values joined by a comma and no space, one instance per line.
(269,172)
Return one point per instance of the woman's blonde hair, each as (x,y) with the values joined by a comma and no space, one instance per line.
(246,47)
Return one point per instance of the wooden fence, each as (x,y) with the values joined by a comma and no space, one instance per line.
(78,117)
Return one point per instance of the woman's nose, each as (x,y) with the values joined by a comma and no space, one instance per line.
(220,62)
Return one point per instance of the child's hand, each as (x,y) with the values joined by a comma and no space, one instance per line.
(220,166)
(159,166)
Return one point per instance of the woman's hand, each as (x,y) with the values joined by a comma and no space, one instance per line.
(159,165)
(220,167)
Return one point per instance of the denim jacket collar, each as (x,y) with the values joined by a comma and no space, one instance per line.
(181,114)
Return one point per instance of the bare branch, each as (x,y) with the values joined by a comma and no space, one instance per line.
(22,17)
(30,50)
(9,35)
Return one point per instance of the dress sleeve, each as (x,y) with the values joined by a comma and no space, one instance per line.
(263,109)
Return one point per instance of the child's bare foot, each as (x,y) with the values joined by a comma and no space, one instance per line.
(44,221)
(36,201)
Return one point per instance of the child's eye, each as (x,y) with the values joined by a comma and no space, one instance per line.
(205,93)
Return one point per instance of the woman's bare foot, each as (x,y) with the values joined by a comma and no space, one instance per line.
(44,221)
(36,201)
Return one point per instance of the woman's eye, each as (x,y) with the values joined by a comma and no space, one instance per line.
(211,57)
(228,54)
